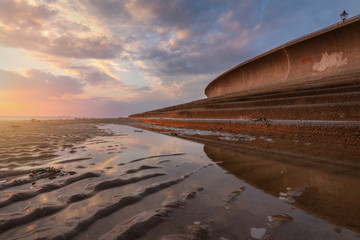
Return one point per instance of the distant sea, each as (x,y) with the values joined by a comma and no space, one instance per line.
(16,118)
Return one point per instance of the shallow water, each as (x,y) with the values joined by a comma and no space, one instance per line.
(136,184)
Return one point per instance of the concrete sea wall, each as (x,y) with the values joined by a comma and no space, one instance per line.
(329,52)
(305,91)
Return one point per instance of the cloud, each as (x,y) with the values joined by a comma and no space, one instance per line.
(96,77)
(38,85)
(174,13)
(91,73)
(56,86)
(24,15)
(95,47)
(166,37)
(64,25)
(41,28)
(190,38)
(110,9)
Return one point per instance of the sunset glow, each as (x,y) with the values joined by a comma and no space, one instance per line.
(115,58)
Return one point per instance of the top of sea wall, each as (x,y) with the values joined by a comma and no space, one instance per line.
(332,51)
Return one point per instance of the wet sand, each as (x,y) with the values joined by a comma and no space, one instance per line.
(98,179)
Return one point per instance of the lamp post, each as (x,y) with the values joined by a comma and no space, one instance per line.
(344,16)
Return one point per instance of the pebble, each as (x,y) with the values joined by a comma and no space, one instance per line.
(199,189)
(257,233)
(197,223)
(227,206)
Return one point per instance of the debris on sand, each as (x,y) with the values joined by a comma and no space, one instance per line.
(232,197)
(47,172)
(263,121)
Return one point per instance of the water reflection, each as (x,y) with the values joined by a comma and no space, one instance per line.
(325,188)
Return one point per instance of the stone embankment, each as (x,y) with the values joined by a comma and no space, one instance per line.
(328,113)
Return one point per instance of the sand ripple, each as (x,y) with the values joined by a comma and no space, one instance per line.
(24,195)
(42,197)
(141,223)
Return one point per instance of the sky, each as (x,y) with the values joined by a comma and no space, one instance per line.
(113,58)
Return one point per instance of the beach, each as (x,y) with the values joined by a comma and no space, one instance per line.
(120,179)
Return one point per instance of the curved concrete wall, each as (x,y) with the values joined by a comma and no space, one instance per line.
(328,52)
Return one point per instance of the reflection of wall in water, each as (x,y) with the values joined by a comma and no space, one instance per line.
(328,186)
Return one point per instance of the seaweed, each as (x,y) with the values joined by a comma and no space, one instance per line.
(47,172)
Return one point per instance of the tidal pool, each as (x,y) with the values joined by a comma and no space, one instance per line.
(127,183)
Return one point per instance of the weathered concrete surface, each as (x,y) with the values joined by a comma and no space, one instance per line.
(339,102)
(328,114)
(333,51)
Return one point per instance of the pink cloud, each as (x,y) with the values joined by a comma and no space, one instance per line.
(38,85)
(40,28)
(22,14)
